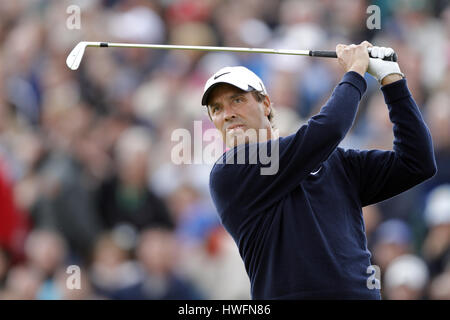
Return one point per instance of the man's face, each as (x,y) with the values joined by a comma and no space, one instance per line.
(237,114)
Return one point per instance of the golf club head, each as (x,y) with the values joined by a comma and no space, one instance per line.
(74,58)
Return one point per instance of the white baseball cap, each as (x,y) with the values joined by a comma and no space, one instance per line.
(407,270)
(437,209)
(239,77)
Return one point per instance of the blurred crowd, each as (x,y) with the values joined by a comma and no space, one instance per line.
(86,176)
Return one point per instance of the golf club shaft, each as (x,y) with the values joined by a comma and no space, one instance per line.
(312,53)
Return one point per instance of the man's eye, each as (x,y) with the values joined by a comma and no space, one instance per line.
(214,109)
(238,100)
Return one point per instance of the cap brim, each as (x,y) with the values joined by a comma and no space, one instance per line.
(211,87)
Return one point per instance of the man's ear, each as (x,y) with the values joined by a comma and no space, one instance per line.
(209,113)
(267,106)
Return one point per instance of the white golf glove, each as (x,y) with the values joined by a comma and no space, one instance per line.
(379,68)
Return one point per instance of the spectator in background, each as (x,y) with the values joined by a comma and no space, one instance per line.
(22,283)
(195,218)
(46,252)
(125,198)
(157,253)
(438,117)
(392,239)
(111,268)
(63,203)
(217,268)
(4,267)
(84,292)
(405,278)
(436,248)
(440,286)
(14,223)
(54,188)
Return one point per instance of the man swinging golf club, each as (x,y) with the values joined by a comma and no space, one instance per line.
(300,231)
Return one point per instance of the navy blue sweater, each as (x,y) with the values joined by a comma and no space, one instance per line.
(301,235)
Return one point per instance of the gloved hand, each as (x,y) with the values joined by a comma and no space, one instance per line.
(379,68)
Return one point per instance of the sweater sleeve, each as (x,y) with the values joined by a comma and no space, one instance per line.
(384,174)
(298,154)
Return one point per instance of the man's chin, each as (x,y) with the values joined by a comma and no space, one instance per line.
(236,139)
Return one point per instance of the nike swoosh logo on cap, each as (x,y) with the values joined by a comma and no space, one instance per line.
(215,77)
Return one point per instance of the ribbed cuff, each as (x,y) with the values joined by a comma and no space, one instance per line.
(356,80)
(395,91)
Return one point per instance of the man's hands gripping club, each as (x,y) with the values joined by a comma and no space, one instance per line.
(356,58)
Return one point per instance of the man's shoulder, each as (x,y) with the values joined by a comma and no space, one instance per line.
(246,153)
(219,165)
(234,164)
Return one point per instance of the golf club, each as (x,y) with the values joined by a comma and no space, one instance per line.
(74,58)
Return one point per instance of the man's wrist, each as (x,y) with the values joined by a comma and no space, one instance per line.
(361,69)
(391,78)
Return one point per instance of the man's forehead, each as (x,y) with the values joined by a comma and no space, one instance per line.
(223,90)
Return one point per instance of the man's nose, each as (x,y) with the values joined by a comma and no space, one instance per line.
(229,113)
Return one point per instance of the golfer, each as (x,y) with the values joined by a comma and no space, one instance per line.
(300,231)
